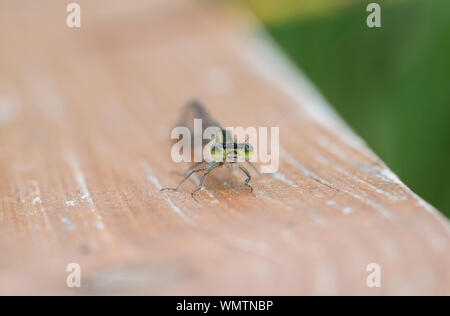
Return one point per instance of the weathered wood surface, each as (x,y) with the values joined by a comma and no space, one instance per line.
(85,117)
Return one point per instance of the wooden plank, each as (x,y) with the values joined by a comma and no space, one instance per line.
(85,120)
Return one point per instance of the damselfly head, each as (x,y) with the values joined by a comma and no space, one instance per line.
(230,151)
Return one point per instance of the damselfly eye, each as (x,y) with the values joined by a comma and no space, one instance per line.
(248,151)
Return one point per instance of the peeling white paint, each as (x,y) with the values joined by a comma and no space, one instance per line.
(315,177)
(387,175)
(303,169)
(282,178)
(344,210)
(370,186)
(82,187)
(37,202)
(176,209)
(384,212)
(70,203)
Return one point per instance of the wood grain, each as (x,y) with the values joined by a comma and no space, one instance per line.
(85,119)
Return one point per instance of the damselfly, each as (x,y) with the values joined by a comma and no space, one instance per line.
(224,148)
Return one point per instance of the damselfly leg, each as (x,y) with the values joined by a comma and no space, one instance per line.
(188,174)
(212,166)
(249,177)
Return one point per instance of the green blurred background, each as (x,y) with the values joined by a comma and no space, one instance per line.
(391,84)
